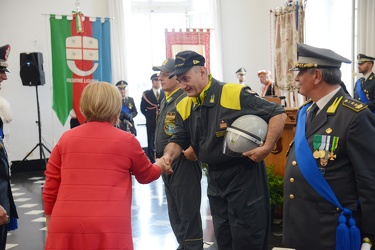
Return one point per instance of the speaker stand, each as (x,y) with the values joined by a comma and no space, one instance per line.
(40,145)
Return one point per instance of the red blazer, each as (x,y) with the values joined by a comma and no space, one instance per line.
(88,187)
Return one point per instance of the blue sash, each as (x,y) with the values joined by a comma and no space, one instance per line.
(361,94)
(346,238)
(125,109)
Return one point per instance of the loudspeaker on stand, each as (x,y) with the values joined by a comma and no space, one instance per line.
(31,69)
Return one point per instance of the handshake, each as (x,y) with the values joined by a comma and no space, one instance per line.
(165,163)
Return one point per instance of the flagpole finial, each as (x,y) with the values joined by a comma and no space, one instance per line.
(78,5)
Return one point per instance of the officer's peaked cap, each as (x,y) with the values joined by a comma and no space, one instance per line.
(313,57)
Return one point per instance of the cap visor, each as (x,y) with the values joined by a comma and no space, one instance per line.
(162,68)
(295,69)
(157,68)
(179,71)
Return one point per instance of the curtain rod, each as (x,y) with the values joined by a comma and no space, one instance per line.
(72,15)
(187,29)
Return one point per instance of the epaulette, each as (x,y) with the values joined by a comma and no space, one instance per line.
(354,105)
(332,109)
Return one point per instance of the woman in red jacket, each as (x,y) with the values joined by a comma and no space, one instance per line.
(88,189)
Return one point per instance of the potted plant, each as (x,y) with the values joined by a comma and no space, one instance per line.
(276,189)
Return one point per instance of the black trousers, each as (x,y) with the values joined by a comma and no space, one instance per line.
(183,192)
(240,206)
(151,142)
(3,236)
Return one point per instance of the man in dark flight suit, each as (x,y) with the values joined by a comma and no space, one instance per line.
(237,186)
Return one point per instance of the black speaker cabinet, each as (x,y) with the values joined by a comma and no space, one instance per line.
(31,69)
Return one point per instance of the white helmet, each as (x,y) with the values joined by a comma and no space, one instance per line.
(245,133)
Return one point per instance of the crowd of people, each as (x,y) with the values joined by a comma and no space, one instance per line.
(328,181)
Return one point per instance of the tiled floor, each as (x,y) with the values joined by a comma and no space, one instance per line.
(151,229)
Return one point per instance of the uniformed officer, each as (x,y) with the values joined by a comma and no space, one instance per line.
(183,187)
(150,105)
(364,89)
(241,75)
(331,152)
(237,186)
(128,111)
(7,205)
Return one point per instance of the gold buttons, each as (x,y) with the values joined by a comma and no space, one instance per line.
(291,196)
(291,180)
(294,163)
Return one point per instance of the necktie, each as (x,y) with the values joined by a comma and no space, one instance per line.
(157,95)
(311,114)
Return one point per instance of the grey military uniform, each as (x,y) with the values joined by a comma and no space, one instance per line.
(183,187)
(349,171)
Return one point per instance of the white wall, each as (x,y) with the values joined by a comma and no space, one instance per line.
(25,27)
(246,38)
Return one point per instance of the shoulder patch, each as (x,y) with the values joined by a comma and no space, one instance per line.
(230,96)
(354,105)
(184,107)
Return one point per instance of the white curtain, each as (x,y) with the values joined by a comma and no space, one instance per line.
(216,51)
(365,29)
(120,11)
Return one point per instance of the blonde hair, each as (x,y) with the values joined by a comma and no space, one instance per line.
(101,101)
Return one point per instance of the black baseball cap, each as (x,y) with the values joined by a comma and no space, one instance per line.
(185,60)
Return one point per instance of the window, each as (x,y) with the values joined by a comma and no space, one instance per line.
(146,38)
(331,31)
